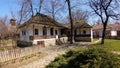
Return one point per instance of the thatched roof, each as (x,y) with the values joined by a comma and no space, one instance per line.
(42,19)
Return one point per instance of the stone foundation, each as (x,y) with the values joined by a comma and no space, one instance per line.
(45,42)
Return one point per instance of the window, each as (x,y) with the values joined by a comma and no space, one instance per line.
(62,31)
(56,32)
(23,33)
(84,32)
(75,32)
(118,33)
(51,31)
(44,31)
(36,31)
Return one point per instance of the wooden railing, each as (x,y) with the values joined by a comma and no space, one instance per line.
(81,35)
(41,37)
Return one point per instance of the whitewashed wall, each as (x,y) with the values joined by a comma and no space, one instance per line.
(29,32)
(113,33)
(80,31)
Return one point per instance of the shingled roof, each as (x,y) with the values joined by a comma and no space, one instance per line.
(79,24)
(42,19)
(115,26)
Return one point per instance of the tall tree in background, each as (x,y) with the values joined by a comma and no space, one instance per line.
(71,22)
(40,5)
(78,15)
(30,3)
(105,9)
(26,10)
(21,13)
(54,7)
(3,28)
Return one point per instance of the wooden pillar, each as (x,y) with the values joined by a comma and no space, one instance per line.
(33,34)
(33,31)
(91,35)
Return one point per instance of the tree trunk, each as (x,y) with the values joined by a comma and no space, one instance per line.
(71,21)
(31,7)
(103,33)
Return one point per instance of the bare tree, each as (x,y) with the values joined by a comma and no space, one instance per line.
(3,28)
(40,5)
(105,9)
(71,22)
(80,15)
(26,10)
(30,4)
(54,7)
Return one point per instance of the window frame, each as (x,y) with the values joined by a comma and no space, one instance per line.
(36,31)
(51,31)
(84,32)
(23,32)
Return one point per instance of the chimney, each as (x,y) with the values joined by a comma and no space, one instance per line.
(13,22)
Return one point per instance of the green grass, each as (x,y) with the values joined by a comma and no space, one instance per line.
(7,45)
(111,44)
(95,39)
(5,41)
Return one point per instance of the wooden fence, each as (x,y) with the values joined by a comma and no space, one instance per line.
(17,53)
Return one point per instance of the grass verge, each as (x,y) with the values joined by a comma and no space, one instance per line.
(110,44)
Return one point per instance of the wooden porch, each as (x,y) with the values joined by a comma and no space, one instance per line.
(82,37)
(41,37)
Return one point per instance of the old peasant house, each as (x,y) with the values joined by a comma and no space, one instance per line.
(112,30)
(82,31)
(43,30)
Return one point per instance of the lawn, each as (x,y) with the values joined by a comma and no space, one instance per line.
(6,41)
(111,44)
(95,39)
(7,45)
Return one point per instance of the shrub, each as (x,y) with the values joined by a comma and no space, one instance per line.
(89,58)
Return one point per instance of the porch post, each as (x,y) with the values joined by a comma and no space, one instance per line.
(91,35)
(33,35)
(33,31)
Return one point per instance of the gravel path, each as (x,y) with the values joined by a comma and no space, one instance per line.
(52,53)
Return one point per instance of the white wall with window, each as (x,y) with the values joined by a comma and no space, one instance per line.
(83,31)
(36,31)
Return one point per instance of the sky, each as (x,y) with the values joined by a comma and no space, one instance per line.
(8,6)
(12,6)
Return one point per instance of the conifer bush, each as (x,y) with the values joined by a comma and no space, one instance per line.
(90,58)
